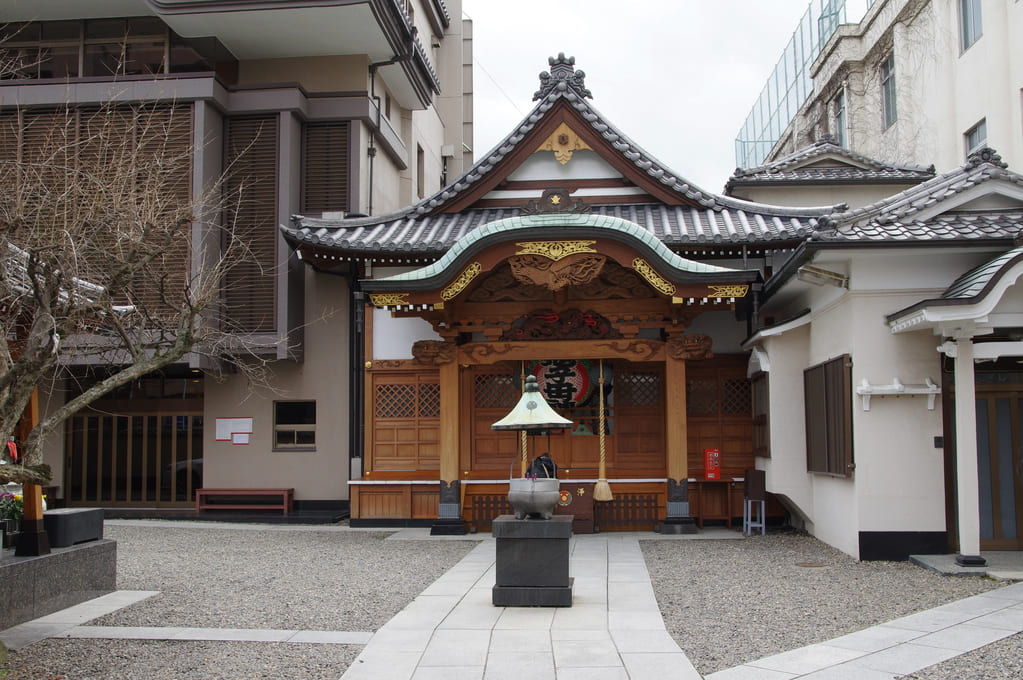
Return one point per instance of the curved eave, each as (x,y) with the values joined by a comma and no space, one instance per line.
(675,268)
(941,314)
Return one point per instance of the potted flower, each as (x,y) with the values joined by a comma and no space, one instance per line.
(11,509)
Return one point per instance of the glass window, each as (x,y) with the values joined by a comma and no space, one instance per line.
(970,25)
(838,112)
(976,137)
(888,90)
(294,425)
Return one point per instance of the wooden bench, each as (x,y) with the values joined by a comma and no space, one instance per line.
(277,499)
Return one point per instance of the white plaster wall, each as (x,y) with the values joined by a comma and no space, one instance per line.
(834,498)
(785,470)
(899,474)
(853,196)
(393,337)
(584,164)
(324,377)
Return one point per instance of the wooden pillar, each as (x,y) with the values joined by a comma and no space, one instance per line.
(449,421)
(967,476)
(676,442)
(32,540)
(449,514)
(675,426)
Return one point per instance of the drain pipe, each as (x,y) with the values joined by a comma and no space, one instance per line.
(357,428)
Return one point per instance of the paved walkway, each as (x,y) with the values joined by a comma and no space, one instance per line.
(613,631)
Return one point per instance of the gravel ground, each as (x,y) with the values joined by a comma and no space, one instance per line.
(731,602)
(725,602)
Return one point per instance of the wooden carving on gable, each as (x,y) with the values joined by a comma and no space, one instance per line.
(690,347)
(574,270)
(570,324)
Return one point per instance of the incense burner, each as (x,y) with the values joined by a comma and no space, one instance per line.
(533,498)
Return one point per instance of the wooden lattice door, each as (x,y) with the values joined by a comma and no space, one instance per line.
(719,413)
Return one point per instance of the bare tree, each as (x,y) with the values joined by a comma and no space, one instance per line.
(108,257)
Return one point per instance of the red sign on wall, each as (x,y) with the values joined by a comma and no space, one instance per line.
(712,463)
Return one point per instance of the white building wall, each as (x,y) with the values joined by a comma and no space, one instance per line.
(941,90)
(899,473)
(785,471)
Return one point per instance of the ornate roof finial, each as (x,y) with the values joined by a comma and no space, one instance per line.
(827,138)
(985,155)
(562,77)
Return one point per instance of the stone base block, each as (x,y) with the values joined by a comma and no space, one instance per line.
(67,526)
(679,525)
(533,596)
(447,526)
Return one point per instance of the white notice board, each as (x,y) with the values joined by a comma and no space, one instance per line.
(234,430)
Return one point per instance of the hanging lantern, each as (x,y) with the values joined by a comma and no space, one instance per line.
(532,412)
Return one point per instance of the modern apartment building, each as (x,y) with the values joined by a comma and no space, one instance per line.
(320,108)
(917,81)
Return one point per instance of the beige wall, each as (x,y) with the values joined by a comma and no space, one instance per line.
(324,377)
(347,73)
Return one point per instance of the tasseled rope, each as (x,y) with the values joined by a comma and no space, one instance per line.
(602,492)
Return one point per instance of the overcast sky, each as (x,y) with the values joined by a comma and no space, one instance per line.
(677,76)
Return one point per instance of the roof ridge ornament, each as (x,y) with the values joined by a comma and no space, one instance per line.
(555,201)
(562,77)
(985,155)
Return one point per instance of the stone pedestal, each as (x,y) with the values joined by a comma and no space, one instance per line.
(532,562)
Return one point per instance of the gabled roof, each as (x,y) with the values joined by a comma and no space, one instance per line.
(937,209)
(678,212)
(825,162)
(971,297)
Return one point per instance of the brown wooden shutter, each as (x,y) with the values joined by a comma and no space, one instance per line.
(827,391)
(325,170)
(251,157)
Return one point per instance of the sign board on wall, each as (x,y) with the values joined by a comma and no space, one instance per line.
(234,430)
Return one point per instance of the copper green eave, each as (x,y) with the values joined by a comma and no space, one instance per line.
(560,227)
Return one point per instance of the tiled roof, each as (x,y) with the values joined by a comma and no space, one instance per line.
(672,225)
(802,167)
(615,226)
(969,289)
(974,282)
(421,228)
(908,215)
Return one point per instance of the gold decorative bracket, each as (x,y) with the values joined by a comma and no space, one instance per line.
(555,250)
(653,278)
(388,299)
(563,142)
(463,280)
(730,291)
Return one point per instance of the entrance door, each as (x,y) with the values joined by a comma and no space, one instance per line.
(1000,467)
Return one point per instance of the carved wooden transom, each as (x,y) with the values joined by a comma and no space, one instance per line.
(611,282)
(576,270)
(570,324)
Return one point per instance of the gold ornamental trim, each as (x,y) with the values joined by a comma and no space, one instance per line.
(555,250)
(388,299)
(463,280)
(730,291)
(563,142)
(653,278)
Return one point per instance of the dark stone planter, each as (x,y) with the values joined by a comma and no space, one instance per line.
(31,587)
